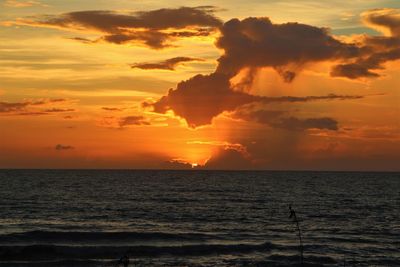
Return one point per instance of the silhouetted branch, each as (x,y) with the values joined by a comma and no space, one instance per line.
(294,217)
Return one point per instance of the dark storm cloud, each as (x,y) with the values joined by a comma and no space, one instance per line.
(148,27)
(203,97)
(168,64)
(133,120)
(257,42)
(60,147)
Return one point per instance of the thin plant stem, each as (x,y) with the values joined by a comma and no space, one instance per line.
(301,247)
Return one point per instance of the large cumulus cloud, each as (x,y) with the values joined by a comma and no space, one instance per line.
(257,42)
(288,47)
(203,97)
(254,43)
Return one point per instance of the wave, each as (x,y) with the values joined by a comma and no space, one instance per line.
(75,237)
(51,252)
(272,260)
(59,263)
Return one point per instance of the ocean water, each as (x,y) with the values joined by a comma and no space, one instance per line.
(198,218)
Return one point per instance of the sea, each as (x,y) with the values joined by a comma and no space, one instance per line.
(198,218)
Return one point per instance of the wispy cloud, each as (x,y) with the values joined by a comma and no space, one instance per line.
(123,122)
(34,108)
(7,107)
(55,110)
(133,120)
(112,109)
(169,64)
(61,147)
(278,119)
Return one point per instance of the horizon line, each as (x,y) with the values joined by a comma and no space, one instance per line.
(192,170)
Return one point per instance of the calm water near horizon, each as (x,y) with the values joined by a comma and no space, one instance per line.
(198,218)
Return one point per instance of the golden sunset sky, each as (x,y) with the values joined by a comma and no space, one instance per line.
(257,84)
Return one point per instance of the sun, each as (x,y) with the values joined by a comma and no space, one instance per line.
(194,165)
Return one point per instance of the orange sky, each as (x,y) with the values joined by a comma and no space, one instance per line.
(288,85)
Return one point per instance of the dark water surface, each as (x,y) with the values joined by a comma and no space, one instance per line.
(197,218)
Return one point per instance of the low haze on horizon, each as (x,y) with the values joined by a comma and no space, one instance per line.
(258,85)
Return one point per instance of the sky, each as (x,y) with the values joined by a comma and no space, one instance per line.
(223,84)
